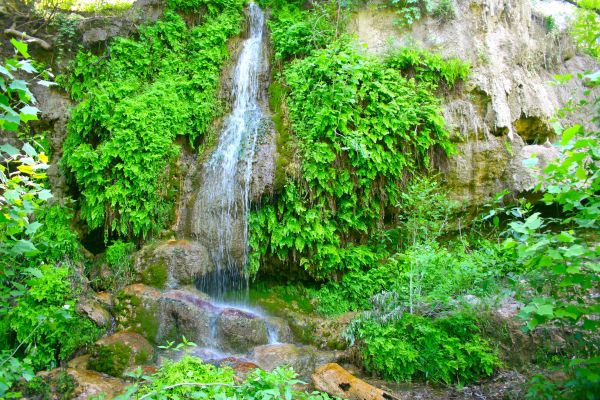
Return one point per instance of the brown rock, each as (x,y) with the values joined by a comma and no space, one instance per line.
(80,362)
(95,311)
(335,380)
(141,349)
(91,383)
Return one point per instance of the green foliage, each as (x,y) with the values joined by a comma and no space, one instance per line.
(428,67)
(296,32)
(411,11)
(360,127)
(444,349)
(586,27)
(133,103)
(44,320)
(61,387)
(445,10)
(191,378)
(561,254)
(111,359)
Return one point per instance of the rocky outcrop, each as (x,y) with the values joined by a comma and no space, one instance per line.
(239,331)
(173,263)
(504,108)
(335,380)
(136,310)
(186,314)
(95,311)
(120,352)
(304,359)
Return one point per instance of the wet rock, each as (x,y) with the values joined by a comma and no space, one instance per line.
(184,313)
(335,380)
(136,310)
(87,384)
(104,298)
(281,329)
(241,366)
(304,359)
(173,264)
(239,331)
(80,362)
(93,310)
(116,353)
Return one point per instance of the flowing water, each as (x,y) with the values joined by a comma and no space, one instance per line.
(224,198)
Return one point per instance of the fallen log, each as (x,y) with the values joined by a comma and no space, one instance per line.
(30,39)
(335,380)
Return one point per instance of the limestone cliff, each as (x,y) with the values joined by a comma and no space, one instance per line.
(500,117)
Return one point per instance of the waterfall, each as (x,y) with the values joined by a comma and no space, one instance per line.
(221,217)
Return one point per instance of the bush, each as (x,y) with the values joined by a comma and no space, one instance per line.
(444,349)
(45,322)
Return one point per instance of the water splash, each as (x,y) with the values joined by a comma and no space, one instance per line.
(224,198)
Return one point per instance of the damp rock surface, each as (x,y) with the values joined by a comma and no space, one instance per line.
(239,331)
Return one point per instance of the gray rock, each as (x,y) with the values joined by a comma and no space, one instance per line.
(173,263)
(304,359)
(239,331)
(184,313)
(94,310)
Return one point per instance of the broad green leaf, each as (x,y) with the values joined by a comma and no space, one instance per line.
(21,47)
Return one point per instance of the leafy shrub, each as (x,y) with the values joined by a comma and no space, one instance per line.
(120,149)
(191,378)
(411,11)
(296,32)
(444,349)
(361,128)
(445,10)
(45,322)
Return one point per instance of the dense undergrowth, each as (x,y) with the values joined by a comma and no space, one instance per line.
(133,101)
(354,216)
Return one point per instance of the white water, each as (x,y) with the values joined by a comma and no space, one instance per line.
(224,197)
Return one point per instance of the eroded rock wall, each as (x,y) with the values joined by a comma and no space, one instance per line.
(500,116)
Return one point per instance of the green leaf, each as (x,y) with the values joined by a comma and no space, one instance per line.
(21,47)
(569,134)
(45,195)
(29,113)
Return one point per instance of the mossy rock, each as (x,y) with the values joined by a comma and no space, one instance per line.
(136,310)
(60,387)
(156,275)
(112,359)
(115,354)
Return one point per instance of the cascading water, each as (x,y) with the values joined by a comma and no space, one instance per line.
(223,200)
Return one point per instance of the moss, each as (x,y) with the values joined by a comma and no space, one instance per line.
(156,275)
(277,93)
(133,315)
(111,359)
(141,357)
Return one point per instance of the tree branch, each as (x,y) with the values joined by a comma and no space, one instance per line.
(22,35)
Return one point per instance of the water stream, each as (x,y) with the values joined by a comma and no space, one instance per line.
(224,198)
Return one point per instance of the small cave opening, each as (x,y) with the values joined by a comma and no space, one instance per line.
(533,130)
(93,241)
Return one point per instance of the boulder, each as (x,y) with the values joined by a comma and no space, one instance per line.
(136,310)
(94,310)
(82,384)
(336,381)
(121,351)
(185,313)
(239,331)
(173,264)
(279,330)
(304,359)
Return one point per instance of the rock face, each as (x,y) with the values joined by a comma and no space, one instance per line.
(136,310)
(304,359)
(119,352)
(95,311)
(173,263)
(239,331)
(504,107)
(335,380)
(186,314)
(91,383)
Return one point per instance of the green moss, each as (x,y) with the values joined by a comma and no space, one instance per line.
(111,359)
(277,93)
(156,275)
(137,317)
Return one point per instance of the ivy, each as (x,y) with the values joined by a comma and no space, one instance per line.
(134,101)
